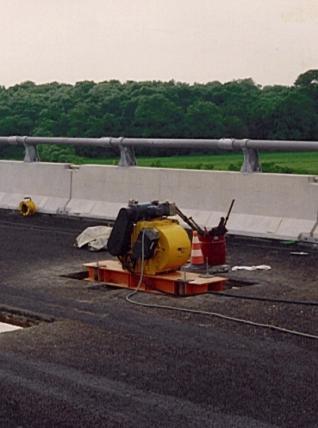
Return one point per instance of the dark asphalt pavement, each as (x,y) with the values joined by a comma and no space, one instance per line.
(102,362)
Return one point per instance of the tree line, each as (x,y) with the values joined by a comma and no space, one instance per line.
(236,109)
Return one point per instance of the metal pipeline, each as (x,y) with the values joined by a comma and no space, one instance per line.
(228,144)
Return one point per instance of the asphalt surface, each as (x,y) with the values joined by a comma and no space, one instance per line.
(88,358)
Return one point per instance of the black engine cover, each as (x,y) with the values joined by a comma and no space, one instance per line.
(150,241)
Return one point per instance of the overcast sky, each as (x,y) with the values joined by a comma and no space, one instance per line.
(271,41)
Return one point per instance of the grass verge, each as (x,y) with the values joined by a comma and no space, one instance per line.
(287,163)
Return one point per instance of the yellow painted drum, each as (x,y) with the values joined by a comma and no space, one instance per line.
(173,249)
(27,207)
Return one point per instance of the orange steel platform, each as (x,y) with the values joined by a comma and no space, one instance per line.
(176,283)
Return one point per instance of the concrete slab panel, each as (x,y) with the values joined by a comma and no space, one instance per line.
(114,184)
(92,209)
(294,227)
(107,210)
(255,225)
(80,207)
(48,184)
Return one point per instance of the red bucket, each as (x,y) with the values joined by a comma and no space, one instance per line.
(213,249)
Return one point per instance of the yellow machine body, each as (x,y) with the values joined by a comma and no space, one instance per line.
(173,249)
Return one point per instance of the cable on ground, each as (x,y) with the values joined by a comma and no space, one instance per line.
(200,312)
(218,315)
(265,299)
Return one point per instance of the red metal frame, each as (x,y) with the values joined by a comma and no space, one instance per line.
(175,283)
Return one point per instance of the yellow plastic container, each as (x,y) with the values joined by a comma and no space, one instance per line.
(27,207)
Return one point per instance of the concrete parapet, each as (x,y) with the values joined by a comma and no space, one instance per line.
(268,205)
(100,191)
(49,185)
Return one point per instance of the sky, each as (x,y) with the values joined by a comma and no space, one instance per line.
(270,41)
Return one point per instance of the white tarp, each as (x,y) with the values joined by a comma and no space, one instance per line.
(96,237)
(4,327)
(251,268)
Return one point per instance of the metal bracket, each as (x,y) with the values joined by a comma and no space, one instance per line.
(127,156)
(31,153)
(251,161)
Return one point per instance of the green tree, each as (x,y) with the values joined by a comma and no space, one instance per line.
(238,109)
(308,78)
(294,117)
(157,116)
(204,120)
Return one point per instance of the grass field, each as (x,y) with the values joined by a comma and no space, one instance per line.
(279,162)
(293,163)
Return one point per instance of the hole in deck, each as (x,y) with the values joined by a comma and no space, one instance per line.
(233,283)
(83,275)
(11,320)
(76,275)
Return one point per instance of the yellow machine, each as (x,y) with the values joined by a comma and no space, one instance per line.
(145,240)
(152,247)
(172,250)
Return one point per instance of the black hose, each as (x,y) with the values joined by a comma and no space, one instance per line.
(265,299)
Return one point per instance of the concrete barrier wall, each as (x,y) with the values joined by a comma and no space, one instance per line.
(271,205)
(48,184)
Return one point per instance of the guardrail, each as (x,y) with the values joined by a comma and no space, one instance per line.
(250,148)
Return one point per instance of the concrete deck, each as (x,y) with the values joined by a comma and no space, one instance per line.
(106,363)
